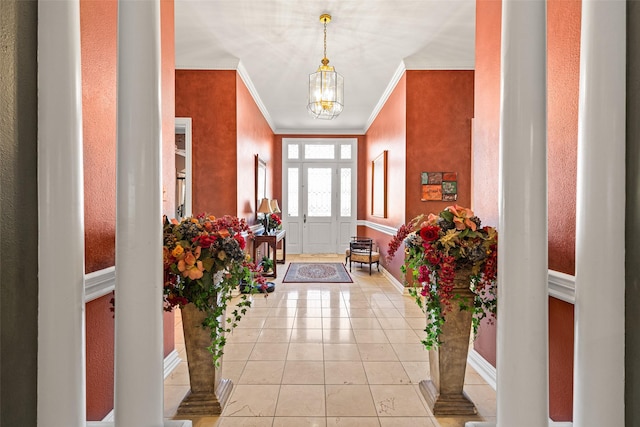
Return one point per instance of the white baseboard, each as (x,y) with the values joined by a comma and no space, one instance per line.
(167,423)
(482,367)
(488,373)
(491,424)
(171,362)
(395,282)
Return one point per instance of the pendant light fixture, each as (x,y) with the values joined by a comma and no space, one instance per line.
(326,86)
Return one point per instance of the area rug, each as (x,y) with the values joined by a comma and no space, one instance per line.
(316,272)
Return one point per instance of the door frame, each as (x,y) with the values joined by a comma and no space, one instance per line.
(295,227)
(183,127)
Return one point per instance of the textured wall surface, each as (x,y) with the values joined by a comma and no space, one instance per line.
(98,26)
(563,78)
(254,137)
(439,113)
(19,213)
(563,75)
(209,98)
(389,132)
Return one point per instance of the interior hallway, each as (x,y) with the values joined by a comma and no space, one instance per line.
(325,355)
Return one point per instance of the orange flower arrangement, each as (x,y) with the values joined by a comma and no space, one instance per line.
(204,261)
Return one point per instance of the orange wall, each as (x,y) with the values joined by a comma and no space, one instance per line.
(167,41)
(387,132)
(439,113)
(563,72)
(208,97)
(98,60)
(254,137)
(563,78)
(98,25)
(486,133)
(563,41)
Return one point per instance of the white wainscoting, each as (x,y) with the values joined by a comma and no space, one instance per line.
(99,283)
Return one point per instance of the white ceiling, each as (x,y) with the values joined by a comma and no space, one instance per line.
(276,44)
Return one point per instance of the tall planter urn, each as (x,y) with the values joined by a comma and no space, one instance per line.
(444,390)
(209,391)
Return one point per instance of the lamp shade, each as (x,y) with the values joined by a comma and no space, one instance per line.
(265,206)
(274,206)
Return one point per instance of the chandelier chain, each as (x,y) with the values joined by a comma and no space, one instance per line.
(325,38)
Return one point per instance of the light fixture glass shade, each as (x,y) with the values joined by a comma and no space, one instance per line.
(274,206)
(265,206)
(326,93)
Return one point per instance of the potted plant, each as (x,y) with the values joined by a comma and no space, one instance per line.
(267,264)
(453,264)
(204,262)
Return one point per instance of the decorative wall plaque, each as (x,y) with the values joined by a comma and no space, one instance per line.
(439,186)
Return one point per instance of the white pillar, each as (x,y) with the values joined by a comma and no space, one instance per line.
(138,358)
(522,354)
(600,280)
(61,330)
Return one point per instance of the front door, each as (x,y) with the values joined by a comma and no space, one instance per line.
(319,194)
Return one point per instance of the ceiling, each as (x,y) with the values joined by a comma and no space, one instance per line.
(276,44)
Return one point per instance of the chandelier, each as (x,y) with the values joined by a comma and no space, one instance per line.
(326,87)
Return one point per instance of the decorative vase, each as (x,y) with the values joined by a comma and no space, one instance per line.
(444,391)
(209,392)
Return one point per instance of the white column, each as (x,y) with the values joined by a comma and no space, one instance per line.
(600,280)
(138,358)
(522,354)
(61,330)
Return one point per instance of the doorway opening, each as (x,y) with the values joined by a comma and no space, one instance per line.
(319,193)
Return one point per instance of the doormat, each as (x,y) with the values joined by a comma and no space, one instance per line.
(316,272)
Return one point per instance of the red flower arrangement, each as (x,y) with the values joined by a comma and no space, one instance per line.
(274,222)
(436,247)
(204,261)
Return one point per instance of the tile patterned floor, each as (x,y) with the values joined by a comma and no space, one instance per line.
(325,355)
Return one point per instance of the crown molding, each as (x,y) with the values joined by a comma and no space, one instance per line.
(314,132)
(428,64)
(386,94)
(228,64)
(244,75)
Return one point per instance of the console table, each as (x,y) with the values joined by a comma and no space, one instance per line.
(272,241)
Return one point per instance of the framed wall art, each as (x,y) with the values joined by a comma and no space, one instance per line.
(439,186)
(261,181)
(379,185)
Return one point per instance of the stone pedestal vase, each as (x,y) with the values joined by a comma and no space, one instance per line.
(209,392)
(447,363)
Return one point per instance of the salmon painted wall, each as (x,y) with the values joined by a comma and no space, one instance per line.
(563,80)
(563,36)
(389,132)
(98,59)
(254,137)
(486,133)
(168,64)
(208,97)
(439,113)
(98,24)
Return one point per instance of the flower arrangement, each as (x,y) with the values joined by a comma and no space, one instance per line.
(436,247)
(204,261)
(274,222)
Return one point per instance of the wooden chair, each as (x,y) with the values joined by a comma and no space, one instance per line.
(361,251)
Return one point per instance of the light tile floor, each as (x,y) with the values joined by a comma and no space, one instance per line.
(325,355)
